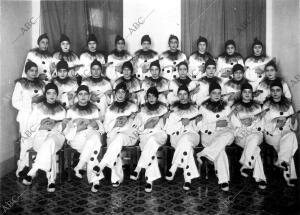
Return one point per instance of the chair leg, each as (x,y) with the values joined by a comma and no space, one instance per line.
(69,155)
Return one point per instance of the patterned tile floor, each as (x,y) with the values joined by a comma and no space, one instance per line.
(205,197)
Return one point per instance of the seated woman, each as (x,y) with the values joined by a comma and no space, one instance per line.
(264,86)
(46,118)
(280,127)
(206,80)
(216,133)
(43,59)
(150,123)
(232,88)
(121,131)
(171,58)
(69,56)
(89,55)
(227,60)
(100,88)
(181,126)
(116,59)
(183,79)
(132,83)
(255,64)
(143,59)
(161,84)
(198,58)
(66,86)
(248,126)
(83,133)
(28,90)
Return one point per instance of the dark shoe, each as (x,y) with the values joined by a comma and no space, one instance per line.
(134,176)
(96,169)
(187,186)
(225,186)
(246,172)
(27,180)
(284,165)
(148,187)
(117,184)
(79,173)
(262,185)
(23,172)
(51,188)
(169,176)
(95,187)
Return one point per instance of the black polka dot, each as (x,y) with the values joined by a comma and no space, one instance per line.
(115,163)
(231,63)
(45,71)
(145,61)
(177,132)
(149,164)
(281,113)
(288,175)
(187,166)
(188,174)
(153,157)
(174,62)
(216,171)
(98,101)
(209,133)
(281,129)
(139,75)
(146,178)
(252,157)
(185,131)
(50,170)
(92,159)
(181,160)
(194,76)
(35,91)
(174,76)
(206,131)
(162,70)
(64,104)
(185,153)
(259,128)
(259,76)
(174,69)
(150,131)
(95,152)
(118,155)
(43,62)
(98,174)
(217,115)
(249,163)
(168,71)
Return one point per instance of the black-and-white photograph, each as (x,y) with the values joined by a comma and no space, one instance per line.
(150,107)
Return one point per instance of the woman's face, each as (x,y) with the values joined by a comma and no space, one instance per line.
(83,97)
(270,72)
(247,95)
(120,95)
(257,50)
(43,44)
(120,45)
(210,71)
(51,96)
(173,44)
(62,73)
(276,93)
(215,95)
(183,97)
(202,47)
(146,45)
(32,73)
(230,49)
(126,73)
(238,75)
(182,71)
(92,46)
(96,71)
(152,99)
(154,70)
(65,46)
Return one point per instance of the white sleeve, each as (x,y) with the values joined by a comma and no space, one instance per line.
(17,97)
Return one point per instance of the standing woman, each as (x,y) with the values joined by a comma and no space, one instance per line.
(156,80)
(181,126)
(83,133)
(69,56)
(43,59)
(246,119)
(271,76)
(280,131)
(28,90)
(66,86)
(143,59)
(116,59)
(46,118)
(227,60)
(216,133)
(171,58)
(183,79)
(150,124)
(198,58)
(121,131)
(100,88)
(89,55)
(132,83)
(255,64)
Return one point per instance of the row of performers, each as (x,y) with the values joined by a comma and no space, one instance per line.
(30,88)
(246,123)
(169,60)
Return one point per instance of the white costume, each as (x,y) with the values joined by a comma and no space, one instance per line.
(283,139)
(66,91)
(150,140)
(264,86)
(100,89)
(86,58)
(46,142)
(115,61)
(22,96)
(249,137)
(214,138)
(142,63)
(43,60)
(117,137)
(87,142)
(169,61)
(197,64)
(161,84)
(183,139)
(71,58)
